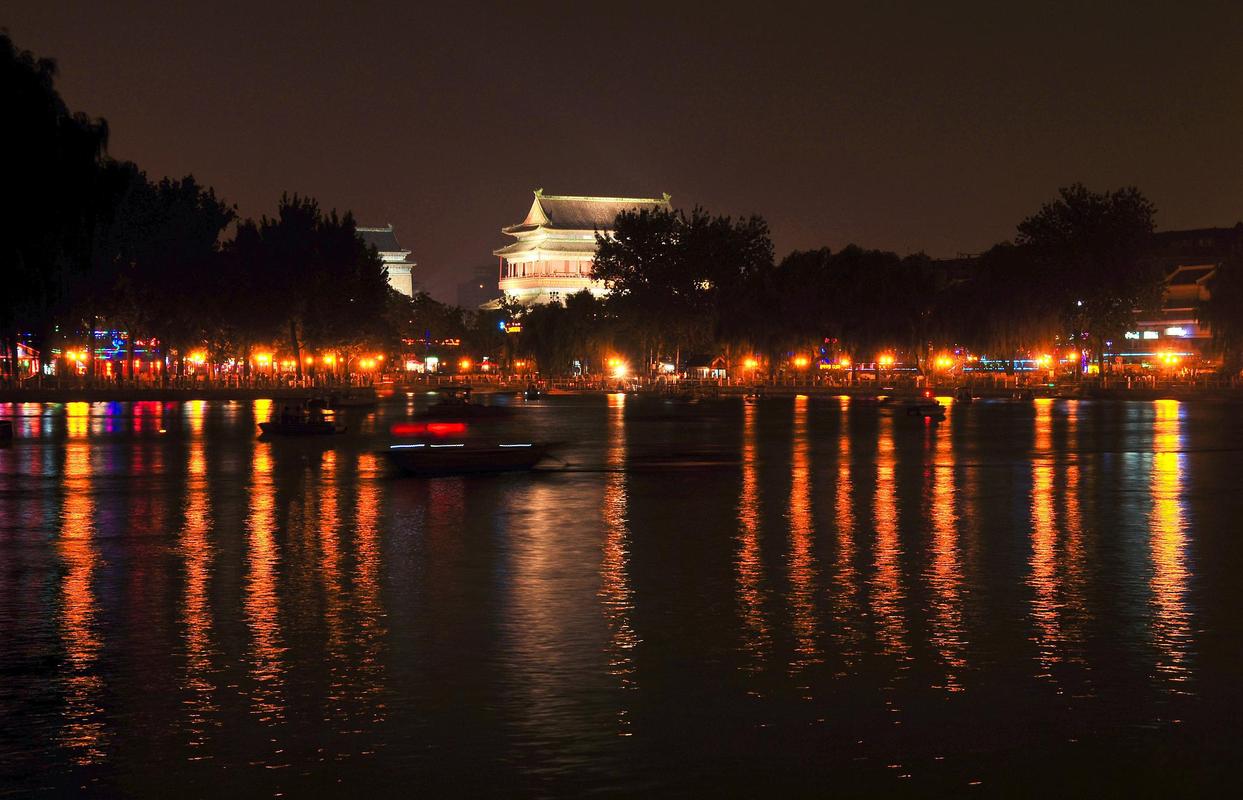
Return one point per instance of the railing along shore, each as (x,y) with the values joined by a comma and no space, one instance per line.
(1116,387)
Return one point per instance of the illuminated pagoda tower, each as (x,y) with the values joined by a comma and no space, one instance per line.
(556,244)
(396,260)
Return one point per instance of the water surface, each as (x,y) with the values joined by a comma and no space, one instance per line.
(1026,595)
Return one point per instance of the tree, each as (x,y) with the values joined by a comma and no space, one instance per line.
(51,167)
(327,288)
(155,256)
(1092,259)
(557,335)
(1224,313)
(998,307)
(673,277)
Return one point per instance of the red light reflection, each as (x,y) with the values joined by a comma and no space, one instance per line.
(434,428)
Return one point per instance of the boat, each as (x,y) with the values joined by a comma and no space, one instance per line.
(306,419)
(928,409)
(463,458)
(532,392)
(455,403)
(6,430)
(963,396)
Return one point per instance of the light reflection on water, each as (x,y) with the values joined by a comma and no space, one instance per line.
(197,553)
(262,600)
(1171,620)
(886,581)
(851,562)
(615,592)
(844,587)
(756,640)
(800,562)
(83,732)
(945,575)
(1044,577)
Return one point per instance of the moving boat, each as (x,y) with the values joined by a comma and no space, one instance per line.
(461,458)
(532,392)
(455,403)
(963,395)
(928,409)
(6,430)
(306,419)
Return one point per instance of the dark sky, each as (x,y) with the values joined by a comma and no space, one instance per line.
(930,126)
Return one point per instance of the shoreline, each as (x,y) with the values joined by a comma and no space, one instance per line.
(133,395)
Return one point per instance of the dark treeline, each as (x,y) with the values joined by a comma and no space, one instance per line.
(90,243)
(1076,274)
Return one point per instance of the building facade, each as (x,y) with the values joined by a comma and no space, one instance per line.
(555,245)
(395,258)
(1190,259)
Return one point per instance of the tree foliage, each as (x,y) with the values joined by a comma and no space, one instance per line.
(1091,260)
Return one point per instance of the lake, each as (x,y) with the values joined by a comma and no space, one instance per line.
(840,600)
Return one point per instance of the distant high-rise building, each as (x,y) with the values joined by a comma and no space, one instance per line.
(479,289)
(395,258)
(556,245)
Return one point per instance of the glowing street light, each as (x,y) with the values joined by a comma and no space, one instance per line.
(617,367)
(800,362)
(885,360)
(464,365)
(1170,359)
(750,363)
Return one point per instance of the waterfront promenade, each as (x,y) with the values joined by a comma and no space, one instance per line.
(1112,390)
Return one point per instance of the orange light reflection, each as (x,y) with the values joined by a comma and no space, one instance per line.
(616,595)
(197,554)
(945,571)
(1043,579)
(82,729)
(749,566)
(887,594)
(800,564)
(262,601)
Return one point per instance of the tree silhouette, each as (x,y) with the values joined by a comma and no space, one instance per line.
(52,158)
(1092,260)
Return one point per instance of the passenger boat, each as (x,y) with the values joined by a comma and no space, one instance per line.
(455,403)
(532,392)
(963,395)
(307,419)
(928,409)
(462,458)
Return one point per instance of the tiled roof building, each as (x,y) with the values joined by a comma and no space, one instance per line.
(555,244)
(396,259)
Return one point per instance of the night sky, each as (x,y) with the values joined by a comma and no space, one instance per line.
(905,126)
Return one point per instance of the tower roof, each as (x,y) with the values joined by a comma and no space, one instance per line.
(382,239)
(578,213)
